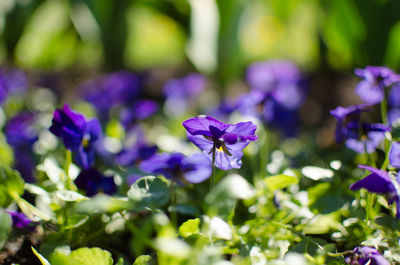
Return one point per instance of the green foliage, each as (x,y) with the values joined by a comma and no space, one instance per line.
(280,182)
(149,192)
(5,227)
(11,185)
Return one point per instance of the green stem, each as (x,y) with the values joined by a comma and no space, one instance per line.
(213,168)
(384,111)
(174,217)
(68,161)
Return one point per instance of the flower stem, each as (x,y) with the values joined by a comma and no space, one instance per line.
(213,168)
(68,161)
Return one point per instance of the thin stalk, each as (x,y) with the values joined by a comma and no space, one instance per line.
(68,162)
(213,168)
(174,218)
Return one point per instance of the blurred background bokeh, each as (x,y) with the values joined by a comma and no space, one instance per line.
(62,42)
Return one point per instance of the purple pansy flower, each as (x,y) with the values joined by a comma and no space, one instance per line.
(118,88)
(77,133)
(20,220)
(380,182)
(93,182)
(12,81)
(359,136)
(277,91)
(394,104)
(179,92)
(140,110)
(224,141)
(365,255)
(375,78)
(179,168)
(21,136)
(394,155)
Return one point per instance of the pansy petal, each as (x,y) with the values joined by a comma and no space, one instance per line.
(203,168)
(200,125)
(394,155)
(377,182)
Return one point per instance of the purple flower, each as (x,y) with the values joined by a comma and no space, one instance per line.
(375,78)
(136,153)
(359,136)
(365,255)
(394,155)
(179,92)
(278,79)
(179,168)
(379,182)
(93,182)
(21,136)
(12,81)
(225,141)
(119,88)
(140,110)
(20,220)
(78,134)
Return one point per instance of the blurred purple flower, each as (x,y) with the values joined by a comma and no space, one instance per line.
(375,78)
(179,92)
(118,88)
(21,136)
(359,136)
(365,255)
(20,220)
(394,155)
(93,182)
(278,79)
(225,140)
(394,104)
(140,110)
(277,91)
(12,81)
(135,154)
(78,134)
(380,182)
(179,168)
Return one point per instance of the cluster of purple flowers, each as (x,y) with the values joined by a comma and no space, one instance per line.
(277,91)
(377,81)
(222,143)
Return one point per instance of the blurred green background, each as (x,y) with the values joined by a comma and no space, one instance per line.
(215,37)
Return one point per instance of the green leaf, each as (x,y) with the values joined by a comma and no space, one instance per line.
(149,192)
(102,203)
(91,256)
(5,227)
(40,257)
(280,182)
(142,260)
(11,185)
(173,247)
(190,227)
(222,198)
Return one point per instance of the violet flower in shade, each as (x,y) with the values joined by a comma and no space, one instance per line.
(77,133)
(359,136)
(140,110)
(20,220)
(280,80)
(375,79)
(179,92)
(365,255)
(93,182)
(222,143)
(21,136)
(380,182)
(118,88)
(179,168)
